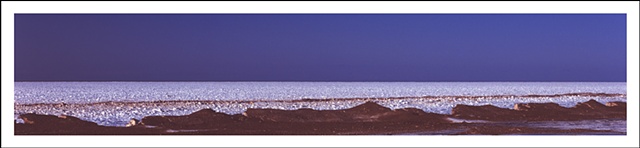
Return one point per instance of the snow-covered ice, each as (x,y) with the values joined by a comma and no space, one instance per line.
(131,99)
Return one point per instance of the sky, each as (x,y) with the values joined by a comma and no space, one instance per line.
(321,47)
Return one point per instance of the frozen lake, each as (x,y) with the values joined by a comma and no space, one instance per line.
(85,92)
(114,103)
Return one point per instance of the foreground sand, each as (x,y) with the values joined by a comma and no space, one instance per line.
(366,119)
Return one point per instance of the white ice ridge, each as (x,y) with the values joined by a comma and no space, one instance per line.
(88,92)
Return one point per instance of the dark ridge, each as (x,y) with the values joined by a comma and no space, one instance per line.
(368,108)
(542,112)
(365,119)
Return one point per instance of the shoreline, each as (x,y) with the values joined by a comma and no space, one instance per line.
(119,113)
(369,118)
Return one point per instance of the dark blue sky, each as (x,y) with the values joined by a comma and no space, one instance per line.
(355,47)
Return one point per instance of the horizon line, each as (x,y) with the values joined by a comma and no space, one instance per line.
(269,81)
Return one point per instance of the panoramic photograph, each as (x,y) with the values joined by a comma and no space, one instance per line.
(320,74)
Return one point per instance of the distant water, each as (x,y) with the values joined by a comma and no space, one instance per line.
(82,99)
(85,92)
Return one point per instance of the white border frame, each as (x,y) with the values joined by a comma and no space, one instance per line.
(10,8)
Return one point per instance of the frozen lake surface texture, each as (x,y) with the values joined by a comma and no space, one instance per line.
(115,103)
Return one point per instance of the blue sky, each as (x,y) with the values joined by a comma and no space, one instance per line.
(320,47)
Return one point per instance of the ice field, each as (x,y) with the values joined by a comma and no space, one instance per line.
(115,103)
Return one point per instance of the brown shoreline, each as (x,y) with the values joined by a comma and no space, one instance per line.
(365,119)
